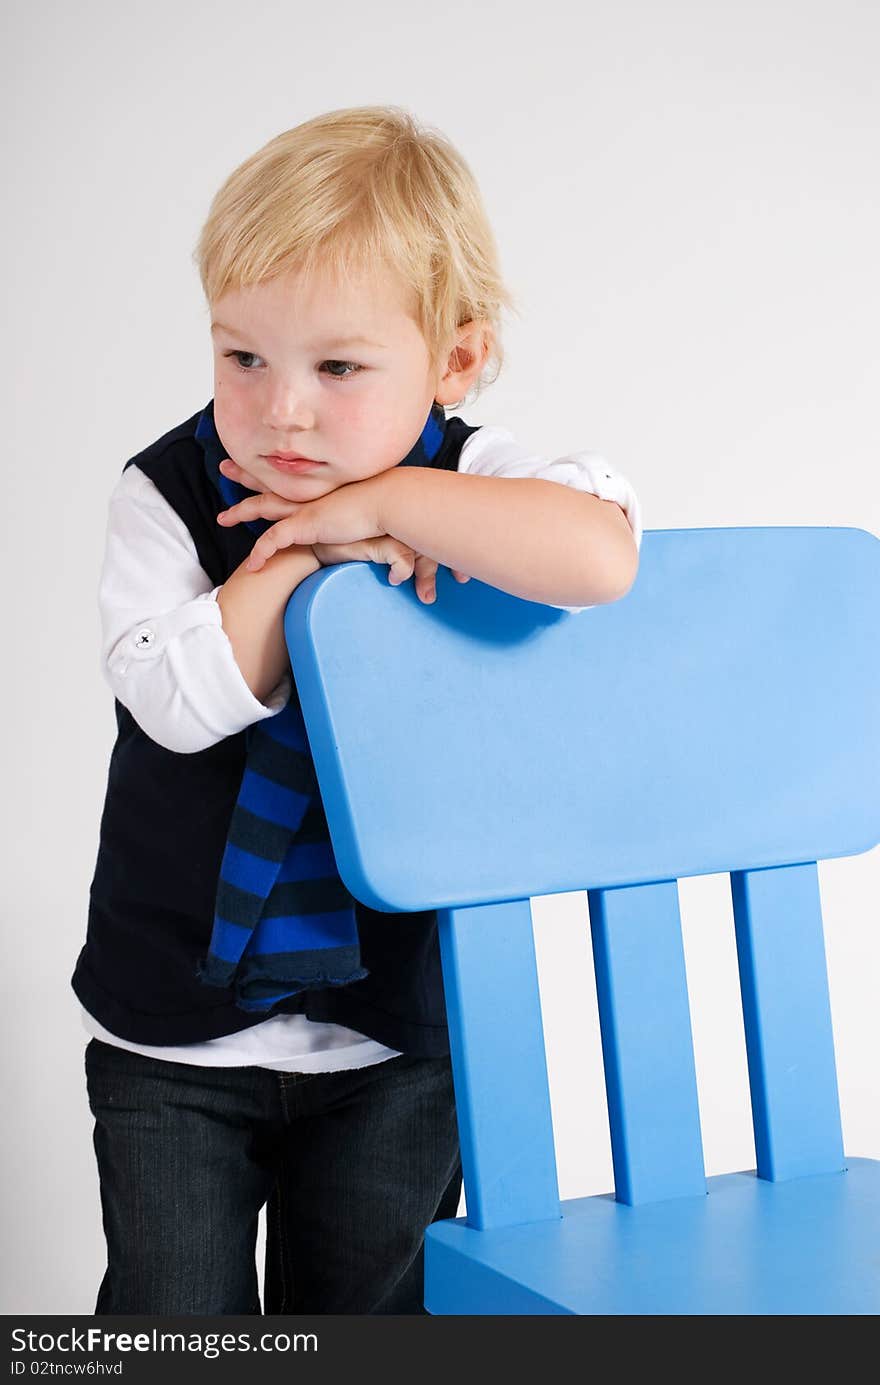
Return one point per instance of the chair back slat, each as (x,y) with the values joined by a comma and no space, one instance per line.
(647,1047)
(787,1019)
(496,1041)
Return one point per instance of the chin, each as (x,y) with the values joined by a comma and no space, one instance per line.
(299,487)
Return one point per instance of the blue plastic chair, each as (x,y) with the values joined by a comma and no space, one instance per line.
(723,716)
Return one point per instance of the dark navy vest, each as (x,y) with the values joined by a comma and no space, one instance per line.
(163,830)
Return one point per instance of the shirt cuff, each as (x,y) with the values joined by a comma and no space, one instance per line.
(589,472)
(177,674)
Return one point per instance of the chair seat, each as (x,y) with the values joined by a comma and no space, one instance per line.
(804,1246)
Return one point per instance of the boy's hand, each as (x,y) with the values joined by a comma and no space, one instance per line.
(342,526)
(346,515)
(403,562)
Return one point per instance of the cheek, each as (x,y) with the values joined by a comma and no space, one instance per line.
(377,417)
(232,409)
(354,410)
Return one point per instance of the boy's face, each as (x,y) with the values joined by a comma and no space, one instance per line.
(288,377)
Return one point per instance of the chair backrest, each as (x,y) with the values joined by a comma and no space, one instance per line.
(723,716)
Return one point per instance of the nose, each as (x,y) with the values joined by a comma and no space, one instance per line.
(287,407)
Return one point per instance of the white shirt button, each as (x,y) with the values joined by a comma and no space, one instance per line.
(144,638)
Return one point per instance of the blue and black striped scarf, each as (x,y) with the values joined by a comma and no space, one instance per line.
(284,922)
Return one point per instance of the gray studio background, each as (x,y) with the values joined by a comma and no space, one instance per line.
(686,201)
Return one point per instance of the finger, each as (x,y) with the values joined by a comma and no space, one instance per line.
(281,535)
(266,506)
(426,579)
(460,576)
(237,473)
(402,564)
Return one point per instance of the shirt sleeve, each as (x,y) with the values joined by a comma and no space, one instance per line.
(164,651)
(495,452)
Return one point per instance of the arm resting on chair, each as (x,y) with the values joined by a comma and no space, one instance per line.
(535,539)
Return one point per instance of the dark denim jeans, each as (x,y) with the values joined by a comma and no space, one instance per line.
(354,1166)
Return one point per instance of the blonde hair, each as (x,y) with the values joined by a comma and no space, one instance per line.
(357,190)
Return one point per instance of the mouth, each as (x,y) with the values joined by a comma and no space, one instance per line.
(291,462)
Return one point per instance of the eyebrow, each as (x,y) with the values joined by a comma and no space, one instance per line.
(329,341)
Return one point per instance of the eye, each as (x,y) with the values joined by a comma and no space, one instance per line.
(246,368)
(347,369)
(350,368)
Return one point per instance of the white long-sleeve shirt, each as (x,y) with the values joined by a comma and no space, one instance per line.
(167,658)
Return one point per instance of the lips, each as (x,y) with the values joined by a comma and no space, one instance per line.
(290,462)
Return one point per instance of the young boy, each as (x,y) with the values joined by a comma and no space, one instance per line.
(353,285)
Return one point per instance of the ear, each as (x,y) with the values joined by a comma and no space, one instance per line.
(468,355)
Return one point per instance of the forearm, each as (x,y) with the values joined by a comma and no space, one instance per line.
(252,606)
(535,539)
